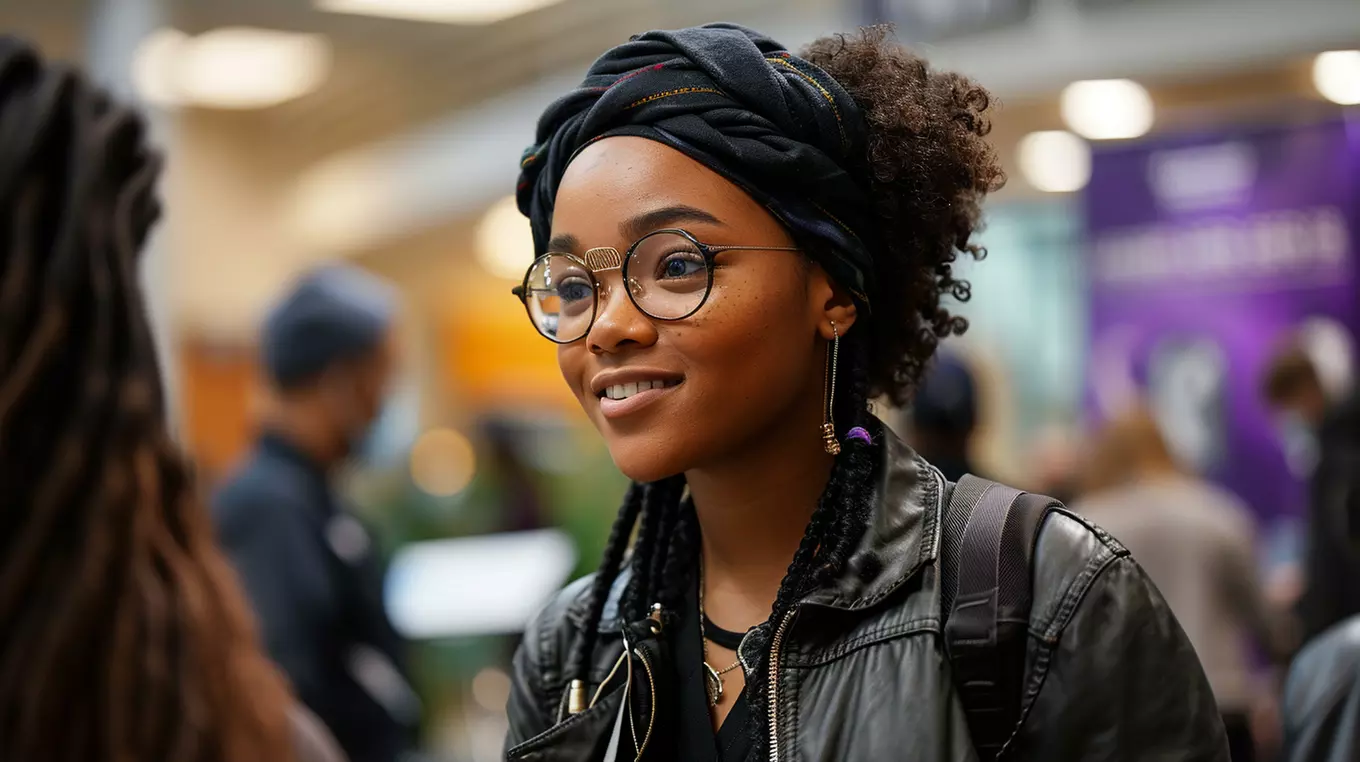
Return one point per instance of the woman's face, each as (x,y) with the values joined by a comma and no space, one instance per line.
(747,366)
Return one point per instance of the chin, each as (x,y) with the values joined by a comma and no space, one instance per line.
(648,458)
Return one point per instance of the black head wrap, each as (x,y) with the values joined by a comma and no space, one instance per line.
(740,104)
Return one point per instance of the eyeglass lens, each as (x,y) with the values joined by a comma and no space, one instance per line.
(667,275)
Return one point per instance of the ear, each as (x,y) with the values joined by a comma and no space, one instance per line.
(831,304)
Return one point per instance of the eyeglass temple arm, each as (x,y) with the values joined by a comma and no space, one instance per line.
(716,249)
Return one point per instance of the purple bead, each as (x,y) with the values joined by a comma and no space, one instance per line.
(861,434)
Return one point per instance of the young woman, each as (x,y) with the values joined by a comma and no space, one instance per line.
(123,635)
(739,248)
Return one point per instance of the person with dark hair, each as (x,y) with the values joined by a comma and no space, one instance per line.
(944,415)
(123,634)
(1321,441)
(738,248)
(311,569)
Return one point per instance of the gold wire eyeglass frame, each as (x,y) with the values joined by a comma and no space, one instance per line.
(605,258)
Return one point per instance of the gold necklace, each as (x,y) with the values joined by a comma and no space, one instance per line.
(712,677)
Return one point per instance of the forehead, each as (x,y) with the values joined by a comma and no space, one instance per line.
(620,178)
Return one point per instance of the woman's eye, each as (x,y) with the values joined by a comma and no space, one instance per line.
(574,289)
(681,265)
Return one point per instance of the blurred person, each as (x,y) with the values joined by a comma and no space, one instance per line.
(521,506)
(124,635)
(311,569)
(739,248)
(944,415)
(1322,442)
(1321,708)
(1055,462)
(1197,543)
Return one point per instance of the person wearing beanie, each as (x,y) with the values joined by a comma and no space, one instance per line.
(943,416)
(311,569)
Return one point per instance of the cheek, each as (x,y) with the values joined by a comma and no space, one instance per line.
(571,360)
(749,354)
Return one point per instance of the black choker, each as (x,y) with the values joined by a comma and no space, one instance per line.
(725,638)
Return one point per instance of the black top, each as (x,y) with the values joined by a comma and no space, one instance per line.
(1333,560)
(315,580)
(734,740)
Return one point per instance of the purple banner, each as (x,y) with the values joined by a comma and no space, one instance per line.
(1205,253)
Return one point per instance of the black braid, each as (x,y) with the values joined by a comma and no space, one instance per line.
(836,525)
(660,511)
(579,660)
(640,561)
(684,548)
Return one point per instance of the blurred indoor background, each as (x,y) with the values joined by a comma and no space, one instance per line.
(1183,197)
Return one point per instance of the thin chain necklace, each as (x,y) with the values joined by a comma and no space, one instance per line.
(713,678)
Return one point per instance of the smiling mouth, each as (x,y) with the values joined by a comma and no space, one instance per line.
(624,391)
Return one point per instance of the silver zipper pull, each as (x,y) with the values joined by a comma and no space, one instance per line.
(655,617)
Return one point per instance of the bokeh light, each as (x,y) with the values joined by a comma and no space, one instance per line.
(442,462)
(1107,109)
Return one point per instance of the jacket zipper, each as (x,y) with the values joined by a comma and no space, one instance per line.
(651,718)
(775,645)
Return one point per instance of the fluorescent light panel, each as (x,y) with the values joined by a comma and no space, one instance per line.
(1107,109)
(1336,74)
(437,11)
(229,68)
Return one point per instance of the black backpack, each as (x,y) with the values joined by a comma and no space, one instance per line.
(986,550)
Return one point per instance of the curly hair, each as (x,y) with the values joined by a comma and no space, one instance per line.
(124,636)
(928,168)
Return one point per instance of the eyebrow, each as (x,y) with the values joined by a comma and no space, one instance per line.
(564,242)
(639,226)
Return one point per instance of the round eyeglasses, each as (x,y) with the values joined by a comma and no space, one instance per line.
(668,274)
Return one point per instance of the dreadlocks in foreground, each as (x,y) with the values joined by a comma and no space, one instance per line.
(124,637)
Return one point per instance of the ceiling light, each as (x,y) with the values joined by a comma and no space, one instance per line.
(1107,109)
(505,243)
(440,11)
(245,68)
(155,65)
(1055,161)
(1336,74)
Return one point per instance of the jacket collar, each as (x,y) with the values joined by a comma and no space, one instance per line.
(901,536)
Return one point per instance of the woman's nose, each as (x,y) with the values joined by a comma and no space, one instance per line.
(618,322)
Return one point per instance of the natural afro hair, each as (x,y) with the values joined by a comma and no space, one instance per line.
(928,166)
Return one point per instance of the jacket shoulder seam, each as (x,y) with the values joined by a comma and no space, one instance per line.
(1108,551)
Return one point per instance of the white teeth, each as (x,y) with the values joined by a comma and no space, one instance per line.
(624,391)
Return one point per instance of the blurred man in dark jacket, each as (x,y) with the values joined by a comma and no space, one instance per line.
(1322,698)
(1322,443)
(311,569)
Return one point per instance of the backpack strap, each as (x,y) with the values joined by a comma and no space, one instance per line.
(985,563)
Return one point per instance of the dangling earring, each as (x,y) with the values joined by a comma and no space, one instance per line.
(833,353)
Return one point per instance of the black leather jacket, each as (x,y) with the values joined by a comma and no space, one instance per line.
(861,670)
